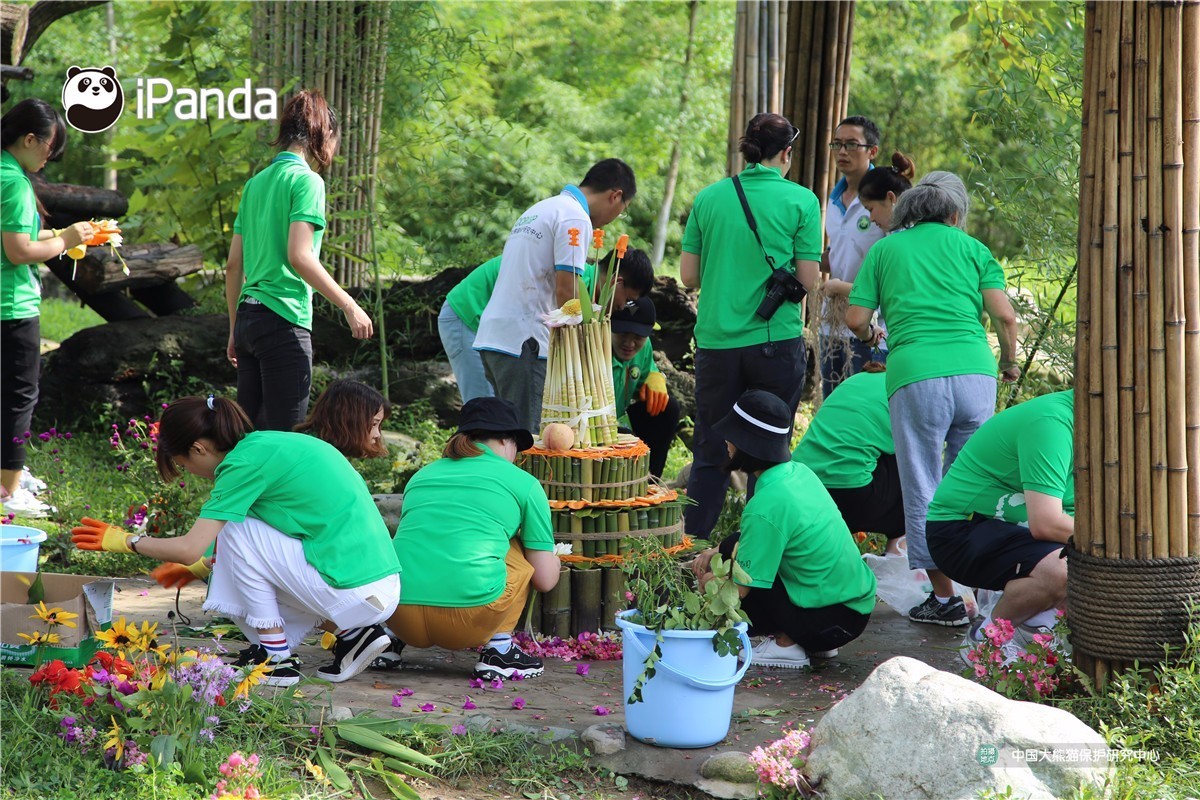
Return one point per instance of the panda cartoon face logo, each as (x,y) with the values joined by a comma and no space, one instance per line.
(92,98)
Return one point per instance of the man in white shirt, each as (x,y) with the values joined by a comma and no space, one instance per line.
(539,271)
(851,233)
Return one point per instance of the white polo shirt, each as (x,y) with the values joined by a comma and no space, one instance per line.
(537,249)
(851,234)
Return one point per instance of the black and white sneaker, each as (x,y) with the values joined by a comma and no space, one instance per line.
(354,652)
(933,612)
(252,656)
(390,658)
(284,672)
(494,664)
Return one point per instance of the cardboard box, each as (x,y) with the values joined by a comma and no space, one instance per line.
(88,596)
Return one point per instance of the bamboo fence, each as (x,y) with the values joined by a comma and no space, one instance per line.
(1136,556)
(756,83)
(341,50)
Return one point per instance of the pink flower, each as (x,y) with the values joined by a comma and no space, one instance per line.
(601,711)
(497,683)
(629,596)
(427,707)
(469,704)
(396,701)
(405,692)
(1043,638)
(518,703)
(458,730)
(1030,658)
(476,683)
(582,669)
(980,670)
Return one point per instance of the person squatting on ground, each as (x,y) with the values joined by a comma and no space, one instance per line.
(1004,511)
(284,564)
(749,333)
(645,406)
(474,539)
(459,318)
(932,281)
(797,568)
(539,271)
(274,265)
(31,133)
(848,446)
(851,234)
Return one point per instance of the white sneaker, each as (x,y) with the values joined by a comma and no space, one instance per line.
(1011,650)
(24,504)
(824,653)
(27,481)
(1024,634)
(769,654)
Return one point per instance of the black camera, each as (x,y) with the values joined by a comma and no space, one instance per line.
(782,285)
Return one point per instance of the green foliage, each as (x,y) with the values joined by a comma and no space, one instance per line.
(61,319)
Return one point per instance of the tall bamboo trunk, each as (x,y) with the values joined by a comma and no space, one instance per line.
(760,44)
(1137,431)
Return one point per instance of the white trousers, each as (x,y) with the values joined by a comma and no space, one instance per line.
(261,580)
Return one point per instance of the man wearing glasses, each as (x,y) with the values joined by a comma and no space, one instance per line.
(851,234)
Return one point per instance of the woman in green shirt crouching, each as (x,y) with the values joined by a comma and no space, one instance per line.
(798,571)
(474,537)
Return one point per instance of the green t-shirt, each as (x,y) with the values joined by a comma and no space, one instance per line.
(928,281)
(458,521)
(303,487)
(471,295)
(286,191)
(1029,447)
(20,287)
(628,377)
(792,529)
(733,271)
(849,433)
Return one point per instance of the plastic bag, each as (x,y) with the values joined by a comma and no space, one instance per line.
(902,588)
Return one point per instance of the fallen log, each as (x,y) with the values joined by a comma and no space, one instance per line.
(67,203)
(149,265)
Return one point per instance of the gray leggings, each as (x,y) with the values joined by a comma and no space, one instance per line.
(925,416)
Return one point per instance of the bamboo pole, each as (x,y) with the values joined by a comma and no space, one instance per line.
(1141,290)
(1124,453)
(1191,260)
(1083,319)
(1158,390)
(1108,290)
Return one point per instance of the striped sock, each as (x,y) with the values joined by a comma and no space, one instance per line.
(502,642)
(276,645)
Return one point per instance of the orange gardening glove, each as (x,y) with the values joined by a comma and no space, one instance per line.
(92,534)
(175,576)
(654,393)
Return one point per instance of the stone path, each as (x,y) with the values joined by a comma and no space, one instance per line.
(559,704)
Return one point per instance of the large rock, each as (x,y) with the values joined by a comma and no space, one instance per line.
(913,731)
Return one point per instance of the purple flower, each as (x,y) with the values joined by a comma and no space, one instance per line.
(458,730)
(582,669)
(476,683)
(601,711)
(405,692)
(396,701)
(517,677)
(314,730)
(518,703)
(427,707)
(497,683)
(469,704)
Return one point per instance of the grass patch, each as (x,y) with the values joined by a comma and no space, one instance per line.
(60,318)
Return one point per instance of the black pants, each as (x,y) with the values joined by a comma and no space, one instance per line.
(274,373)
(771,611)
(721,378)
(20,366)
(877,507)
(657,432)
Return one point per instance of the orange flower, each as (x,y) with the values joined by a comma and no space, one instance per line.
(573,237)
(622,245)
(598,239)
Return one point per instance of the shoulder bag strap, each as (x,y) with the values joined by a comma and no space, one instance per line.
(737,184)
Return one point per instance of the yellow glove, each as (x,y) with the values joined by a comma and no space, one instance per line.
(174,576)
(654,393)
(92,534)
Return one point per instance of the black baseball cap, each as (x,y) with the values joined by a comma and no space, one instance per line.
(759,425)
(493,415)
(638,317)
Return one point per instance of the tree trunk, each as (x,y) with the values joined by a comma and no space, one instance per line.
(149,265)
(67,203)
(664,212)
(22,24)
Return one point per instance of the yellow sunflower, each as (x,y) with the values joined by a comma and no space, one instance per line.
(115,739)
(40,639)
(119,637)
(53,616)
(253,678)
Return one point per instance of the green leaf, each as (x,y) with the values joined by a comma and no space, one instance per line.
(408,769)
(162,749)
(374,741)
(37,591)
(959,21)
(337,776)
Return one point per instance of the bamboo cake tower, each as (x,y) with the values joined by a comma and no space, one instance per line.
(599,486)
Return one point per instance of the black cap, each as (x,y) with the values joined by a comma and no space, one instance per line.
(493,415)
(759,425)
(638,317)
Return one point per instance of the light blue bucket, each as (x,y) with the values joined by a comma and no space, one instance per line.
(19,548)
(689,701)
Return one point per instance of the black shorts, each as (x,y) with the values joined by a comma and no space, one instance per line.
(985,553)
(877,507)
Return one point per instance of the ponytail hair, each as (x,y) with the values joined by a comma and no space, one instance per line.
(896,179)
(39,118)
(189,419)
(308,120)
(766,136)
(343,415)
(465,444)
(937,197)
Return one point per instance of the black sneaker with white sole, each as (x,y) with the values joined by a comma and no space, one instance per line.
(354,652)
(284,672)
(494,664)
(390,658)
(932,611)
(252,656)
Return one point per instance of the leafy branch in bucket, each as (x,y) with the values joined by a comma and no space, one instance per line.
(666,596)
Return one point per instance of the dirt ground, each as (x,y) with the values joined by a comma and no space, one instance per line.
(561,703)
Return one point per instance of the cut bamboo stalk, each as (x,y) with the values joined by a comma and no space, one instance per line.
(1141,291)
(613,583)
(1158,390)
(586,601)
(1108,290)
(1083,317)
(1191,260)
(556,607)
(1125,449)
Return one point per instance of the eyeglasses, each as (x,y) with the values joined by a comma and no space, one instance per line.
(850,147)
(794,137)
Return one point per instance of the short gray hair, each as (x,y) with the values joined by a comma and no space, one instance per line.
(935,198)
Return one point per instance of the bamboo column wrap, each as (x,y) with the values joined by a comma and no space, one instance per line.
(341,50)
(1136,557)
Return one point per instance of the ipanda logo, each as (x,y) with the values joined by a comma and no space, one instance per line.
(94,100)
